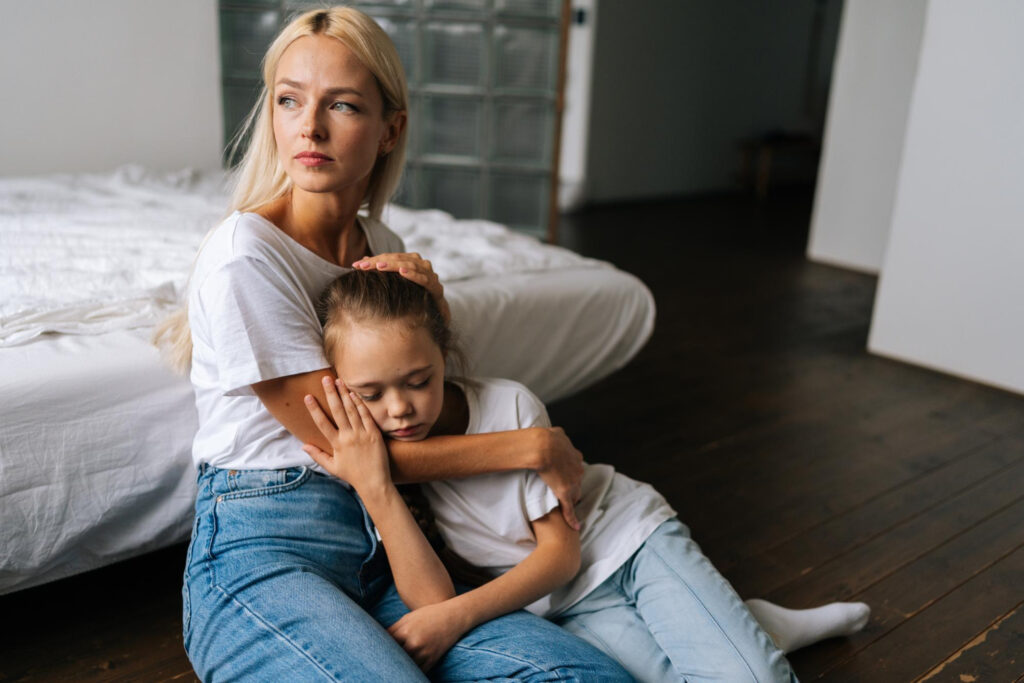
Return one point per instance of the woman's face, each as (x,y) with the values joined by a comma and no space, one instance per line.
(327,113)
(398,371)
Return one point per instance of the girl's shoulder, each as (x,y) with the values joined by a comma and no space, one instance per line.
(497,405)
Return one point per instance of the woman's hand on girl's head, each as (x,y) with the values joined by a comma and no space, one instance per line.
(413,267)
(359,456)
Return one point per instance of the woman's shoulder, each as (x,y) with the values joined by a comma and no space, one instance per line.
(381,238)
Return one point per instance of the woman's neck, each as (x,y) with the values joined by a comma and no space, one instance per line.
(323,222)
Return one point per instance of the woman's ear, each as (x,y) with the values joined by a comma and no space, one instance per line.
(395,125)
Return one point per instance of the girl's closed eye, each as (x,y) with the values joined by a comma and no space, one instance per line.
(370,397)
(420,385)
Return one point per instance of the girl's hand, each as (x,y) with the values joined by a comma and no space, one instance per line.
(561,468)
(427,633)
(360,456)
(413,267)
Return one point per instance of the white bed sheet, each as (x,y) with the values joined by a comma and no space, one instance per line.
(95,435)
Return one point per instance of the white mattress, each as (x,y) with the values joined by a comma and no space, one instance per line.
(96,433)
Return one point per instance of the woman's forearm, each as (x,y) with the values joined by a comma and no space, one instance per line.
(445,457)
(420,578)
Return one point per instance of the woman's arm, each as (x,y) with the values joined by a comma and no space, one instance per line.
(360,458)
(548,451)
(428,632)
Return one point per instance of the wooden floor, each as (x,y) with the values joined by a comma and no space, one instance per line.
(808,469)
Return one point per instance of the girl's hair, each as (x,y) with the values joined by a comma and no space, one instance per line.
(379,296)
(260,178)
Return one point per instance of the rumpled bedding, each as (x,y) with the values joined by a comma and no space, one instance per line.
(95,253)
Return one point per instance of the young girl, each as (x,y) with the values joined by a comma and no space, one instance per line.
(631,582)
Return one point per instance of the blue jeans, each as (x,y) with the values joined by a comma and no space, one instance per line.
(285,581)
(668,615)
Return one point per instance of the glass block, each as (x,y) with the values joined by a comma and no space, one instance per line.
(519,200)
(387,4)
(523,132)
(244,38)
(406,194)
(453,53)
(450,125)
(526,58)
(403,35)
(254,3)
(454,190)
(238,102)
(530,8)
(461,5)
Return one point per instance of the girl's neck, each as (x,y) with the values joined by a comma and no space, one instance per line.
(454,418)
(323,222)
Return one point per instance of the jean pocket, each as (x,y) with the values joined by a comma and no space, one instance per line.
(256,505)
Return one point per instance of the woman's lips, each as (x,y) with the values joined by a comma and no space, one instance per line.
(313,158)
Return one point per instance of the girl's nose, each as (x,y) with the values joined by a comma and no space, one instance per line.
(399,407)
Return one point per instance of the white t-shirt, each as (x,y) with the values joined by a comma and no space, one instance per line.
(251,307)
(486,518)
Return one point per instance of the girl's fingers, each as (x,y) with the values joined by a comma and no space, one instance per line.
(318,456)
(319,418)
(335,404)
(364,413)
(351,414)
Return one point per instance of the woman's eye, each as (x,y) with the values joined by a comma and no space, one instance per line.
(343,106)
(286,102)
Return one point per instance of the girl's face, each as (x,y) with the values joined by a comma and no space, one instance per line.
(327,112)
(398,371)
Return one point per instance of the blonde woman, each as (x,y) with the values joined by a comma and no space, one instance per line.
(285,578)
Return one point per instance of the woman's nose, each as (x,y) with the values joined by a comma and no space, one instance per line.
(311,127)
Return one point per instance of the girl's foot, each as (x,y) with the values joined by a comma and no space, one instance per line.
(792,629)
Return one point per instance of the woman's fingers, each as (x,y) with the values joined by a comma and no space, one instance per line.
(335,404)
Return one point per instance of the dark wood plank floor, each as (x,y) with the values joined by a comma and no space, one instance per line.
(808,469)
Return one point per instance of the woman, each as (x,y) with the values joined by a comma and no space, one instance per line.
(285,578)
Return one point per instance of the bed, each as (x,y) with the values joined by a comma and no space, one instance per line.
(96,432)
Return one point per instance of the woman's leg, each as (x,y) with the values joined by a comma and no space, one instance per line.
(695,615)
(519,646)
(278,568)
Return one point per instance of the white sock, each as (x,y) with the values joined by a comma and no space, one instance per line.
(792,629)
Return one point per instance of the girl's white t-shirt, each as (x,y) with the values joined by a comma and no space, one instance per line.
(486,518)
(252,309)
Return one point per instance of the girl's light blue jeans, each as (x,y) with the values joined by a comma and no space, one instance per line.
(668,615)
(285,581)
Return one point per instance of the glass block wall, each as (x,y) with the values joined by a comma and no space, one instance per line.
(483,81)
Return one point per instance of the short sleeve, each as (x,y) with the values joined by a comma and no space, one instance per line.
(260,325)
(530,410)
(538,499)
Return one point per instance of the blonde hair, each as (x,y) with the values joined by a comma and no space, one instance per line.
(260,178)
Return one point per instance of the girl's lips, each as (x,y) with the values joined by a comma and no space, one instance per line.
(408,431)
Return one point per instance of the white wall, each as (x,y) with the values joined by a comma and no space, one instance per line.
(91,85)
(876,63)
(677,83)
(951,293)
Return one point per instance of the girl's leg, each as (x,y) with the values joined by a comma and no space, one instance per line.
(516,647)
(278,567)
(695,615)
(605,619)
